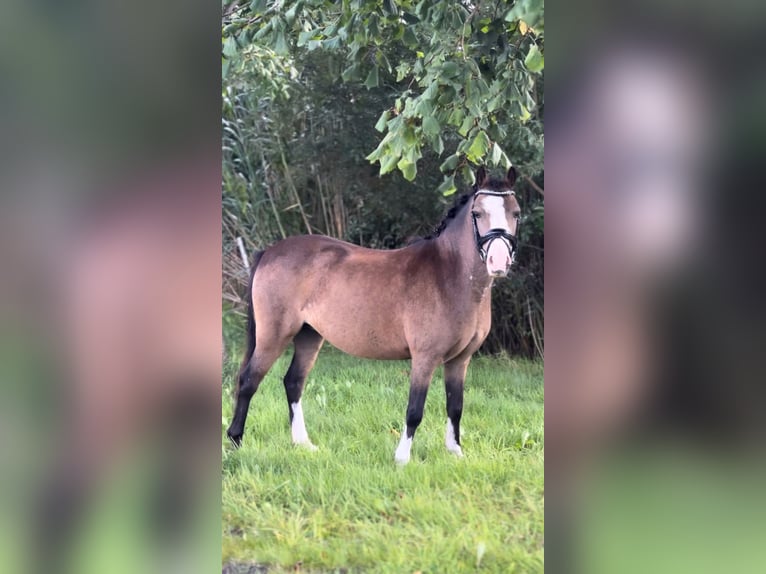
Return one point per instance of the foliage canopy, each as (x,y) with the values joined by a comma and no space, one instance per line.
(463,70)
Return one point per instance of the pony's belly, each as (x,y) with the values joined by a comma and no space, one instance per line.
(368,352)
(368,342)
(359,324)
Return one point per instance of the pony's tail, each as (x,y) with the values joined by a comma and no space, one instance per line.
(250,322)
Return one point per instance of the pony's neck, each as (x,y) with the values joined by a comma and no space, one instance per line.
(458,246)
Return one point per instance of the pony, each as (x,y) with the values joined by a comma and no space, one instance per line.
(429,302)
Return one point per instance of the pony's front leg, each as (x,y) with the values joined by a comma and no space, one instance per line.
(420,379)
(454,380)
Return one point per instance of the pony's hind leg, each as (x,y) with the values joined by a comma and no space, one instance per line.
(250,377)
(307,344)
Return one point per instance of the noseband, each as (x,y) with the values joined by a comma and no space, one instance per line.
(496,233)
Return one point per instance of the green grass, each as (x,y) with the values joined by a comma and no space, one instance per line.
(348,506)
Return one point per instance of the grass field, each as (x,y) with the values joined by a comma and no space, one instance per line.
(347,507)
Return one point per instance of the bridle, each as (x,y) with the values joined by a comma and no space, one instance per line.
(509,240)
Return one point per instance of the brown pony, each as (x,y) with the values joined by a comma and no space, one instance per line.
(429,302)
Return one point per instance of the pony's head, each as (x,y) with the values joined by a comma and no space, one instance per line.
(495,213)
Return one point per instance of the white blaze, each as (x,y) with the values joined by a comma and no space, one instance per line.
(494,206)
(498,252)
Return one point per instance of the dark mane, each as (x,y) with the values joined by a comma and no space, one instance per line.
(451,214)
(491,184)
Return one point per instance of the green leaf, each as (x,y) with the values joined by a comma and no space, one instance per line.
(372,78)
(384,146)
(304,37)
(450,163)
(455,117)
(382,121)
(372,26)
(409,169)
(409,39)
(447,187)
(280,46)
(350,73)
(530,11)
(230,47)
(430,91)
(450,69)
(495,102)
(258,6)
(375,154)
(437,143)
(431,126)
(505,162)
(389,7)
(388,163)
(424,108)
(382,61)
(409,136)
(535,62)
(498,156)
(402,71)
(467,173)
(447,95)
(264,31)
(478,148)
(413,154)
(465,127)
(290,14)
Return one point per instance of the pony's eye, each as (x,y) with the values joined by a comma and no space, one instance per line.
(476,214)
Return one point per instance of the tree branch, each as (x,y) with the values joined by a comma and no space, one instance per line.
(537,188)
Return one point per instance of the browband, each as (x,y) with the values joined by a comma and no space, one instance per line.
(491,192)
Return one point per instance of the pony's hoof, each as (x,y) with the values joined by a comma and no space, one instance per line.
(307,445)
(456,450)
(236,439)
(402,454)
(401,460)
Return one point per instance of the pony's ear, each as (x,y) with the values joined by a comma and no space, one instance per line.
(511,176)
(481,176)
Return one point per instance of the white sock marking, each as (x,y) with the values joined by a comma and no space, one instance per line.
(449,440)
(298,427)
(402,455)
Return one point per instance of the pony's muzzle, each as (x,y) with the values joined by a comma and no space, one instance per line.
(498,259)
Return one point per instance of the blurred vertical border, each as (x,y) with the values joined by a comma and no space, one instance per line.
(110,243)
(654,280)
